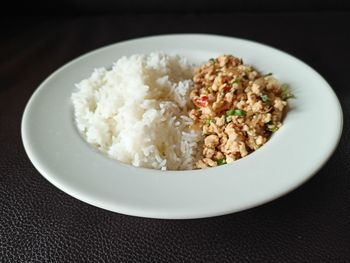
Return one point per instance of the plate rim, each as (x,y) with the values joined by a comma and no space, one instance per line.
(151,214)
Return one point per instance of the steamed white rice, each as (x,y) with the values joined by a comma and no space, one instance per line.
(137,112)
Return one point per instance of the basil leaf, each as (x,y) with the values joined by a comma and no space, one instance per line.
(235,112)
(221,161)
(286,93)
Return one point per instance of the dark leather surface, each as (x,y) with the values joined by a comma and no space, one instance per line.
(208,6)
(39,223)
(42,7)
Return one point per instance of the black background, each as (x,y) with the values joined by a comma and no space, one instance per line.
(39,223)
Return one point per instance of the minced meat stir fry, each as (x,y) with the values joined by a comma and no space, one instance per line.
(237,109)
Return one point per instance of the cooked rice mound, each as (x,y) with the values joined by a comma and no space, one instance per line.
(137,112)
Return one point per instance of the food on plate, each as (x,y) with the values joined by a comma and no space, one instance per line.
(137,112)
(158,111)
(237,109)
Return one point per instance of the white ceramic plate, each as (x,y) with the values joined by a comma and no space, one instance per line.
(311,131)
